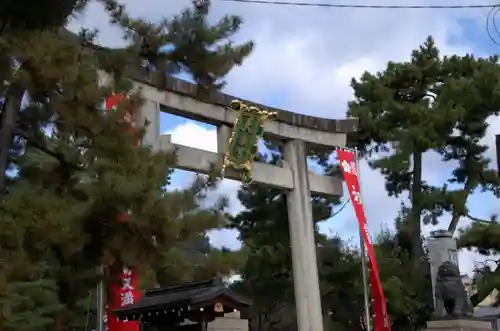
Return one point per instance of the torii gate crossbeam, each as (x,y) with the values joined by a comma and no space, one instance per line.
(297,131)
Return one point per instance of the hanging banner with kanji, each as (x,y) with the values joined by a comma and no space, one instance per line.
(110,105)
(123,292)
(348,164)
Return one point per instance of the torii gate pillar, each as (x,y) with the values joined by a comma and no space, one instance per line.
(296,130)
(305,266)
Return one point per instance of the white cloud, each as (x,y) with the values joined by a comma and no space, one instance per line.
(194,135)
(305,59)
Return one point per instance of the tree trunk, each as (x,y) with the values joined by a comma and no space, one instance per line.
(9,116)
(416,211)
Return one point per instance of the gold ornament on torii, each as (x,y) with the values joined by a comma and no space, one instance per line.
(243,143)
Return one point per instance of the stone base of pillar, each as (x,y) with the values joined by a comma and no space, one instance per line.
(459,325)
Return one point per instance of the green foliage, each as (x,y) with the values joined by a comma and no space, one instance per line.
(39,296)
(264,232)
(429,104)
(409,297)
(59,219)
(185,43)
(341,283)
(190,262)
(263,228)
(483,237)
(267,277)
(25,15)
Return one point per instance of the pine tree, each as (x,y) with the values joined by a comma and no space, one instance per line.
(484,238)
(185,43)
(267,275)
(196,47)
(264,231)
(341,281)
(59,218)
(429,104)
(25,15)
(16,19)
(409,297)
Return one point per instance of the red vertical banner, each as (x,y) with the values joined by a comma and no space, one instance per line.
(112,102)
(348,164)
(123,292)
(110,105)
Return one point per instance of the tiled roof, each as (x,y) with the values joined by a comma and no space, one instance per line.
(181,296)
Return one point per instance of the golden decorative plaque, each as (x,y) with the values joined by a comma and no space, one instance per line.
(219,307)
(247,131)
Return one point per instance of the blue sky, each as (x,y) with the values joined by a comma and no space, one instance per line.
(344,222)
(304,60)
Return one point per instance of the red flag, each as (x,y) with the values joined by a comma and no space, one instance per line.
(112,102)
(122,293)
(126,290)
(348,164)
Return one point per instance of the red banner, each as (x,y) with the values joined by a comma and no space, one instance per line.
(348,164)
(110,105)
(112,102)
(122,293)
(126,290)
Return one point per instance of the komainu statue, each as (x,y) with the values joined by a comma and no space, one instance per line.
(451,297)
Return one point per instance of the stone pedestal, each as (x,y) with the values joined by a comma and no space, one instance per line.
(459,325)
(442,248)
(230,322)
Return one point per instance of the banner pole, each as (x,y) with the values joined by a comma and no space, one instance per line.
(364,265)
(100,306)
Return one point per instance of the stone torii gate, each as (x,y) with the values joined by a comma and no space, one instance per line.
(297,131)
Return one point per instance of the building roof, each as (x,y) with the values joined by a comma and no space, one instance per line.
(182,297)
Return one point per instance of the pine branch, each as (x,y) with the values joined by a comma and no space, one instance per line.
(475,219)
(57,155)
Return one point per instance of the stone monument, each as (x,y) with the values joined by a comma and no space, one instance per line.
(452,308)
(442,248)
(450,296)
